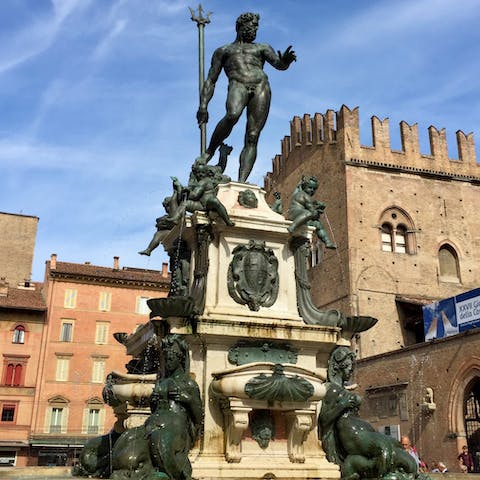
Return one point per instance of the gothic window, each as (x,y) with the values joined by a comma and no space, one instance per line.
(448,263)
(19,334)
(387,237)
(397,232)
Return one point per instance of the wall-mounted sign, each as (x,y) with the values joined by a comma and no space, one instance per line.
(452,315)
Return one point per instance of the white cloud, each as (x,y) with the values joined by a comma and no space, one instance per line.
(37,37)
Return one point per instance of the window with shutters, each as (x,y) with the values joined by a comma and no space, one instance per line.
(56,415)
(101,333)
(98,371)
(14,367)
(141,306)
(61,374)
(104,301)
(66,331)
(70,299)
(93,416)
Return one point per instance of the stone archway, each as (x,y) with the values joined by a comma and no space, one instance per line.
(464,405)
(471,408)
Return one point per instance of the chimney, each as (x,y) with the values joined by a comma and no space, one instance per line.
(116,265)
(165,269)
(53,261)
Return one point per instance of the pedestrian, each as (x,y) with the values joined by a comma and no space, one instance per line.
(405,441)
(465,460)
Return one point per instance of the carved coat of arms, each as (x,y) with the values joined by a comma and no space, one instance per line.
(253,275)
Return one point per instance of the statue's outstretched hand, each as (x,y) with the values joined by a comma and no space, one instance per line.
(288,56)
(202,116)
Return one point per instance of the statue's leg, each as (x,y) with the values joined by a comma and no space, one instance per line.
(170,454)
(301,218)
(154,243)
(257,113)
(213,204)
(236,101)
(323,236)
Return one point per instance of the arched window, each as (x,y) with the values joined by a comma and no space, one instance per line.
(387,237)
(397,232)
(401,239)
(13,377)
(19,334)
(448,263)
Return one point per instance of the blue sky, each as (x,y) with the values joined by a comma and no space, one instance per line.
(98,99)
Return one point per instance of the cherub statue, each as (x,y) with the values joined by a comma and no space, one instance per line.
(201,194)
(165,223)
(305,210)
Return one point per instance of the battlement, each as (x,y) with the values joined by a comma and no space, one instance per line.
(340,131)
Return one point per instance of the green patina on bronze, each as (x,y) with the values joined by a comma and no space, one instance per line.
(253,275)
(261,351)
(306,308)
(247,199)
(278,387)
(263,427)
(349,441)
(277,205)
(159,448)
(243,61)
(305,210)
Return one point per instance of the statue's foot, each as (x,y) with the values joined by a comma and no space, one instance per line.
(291,229)
(230,223)
(330,245)
(145,252)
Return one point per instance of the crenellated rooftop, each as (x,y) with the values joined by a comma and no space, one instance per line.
(341,130)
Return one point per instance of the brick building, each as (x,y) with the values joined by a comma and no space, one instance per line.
(86,304)
(406,226)
(22,319)
(17,244)
(57,347)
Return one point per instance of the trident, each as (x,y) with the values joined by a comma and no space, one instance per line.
(201,22)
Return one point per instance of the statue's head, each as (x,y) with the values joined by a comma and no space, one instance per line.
(340,365)
(247,199)
(175,351)
(309,184)
(247,26)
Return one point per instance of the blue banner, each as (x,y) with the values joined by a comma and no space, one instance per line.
(452,315)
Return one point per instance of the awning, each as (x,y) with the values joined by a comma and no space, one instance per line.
(414,300)
(13,443)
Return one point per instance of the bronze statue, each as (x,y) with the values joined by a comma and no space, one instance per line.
(248,87)
(201,194)
(352,443)
(177,416)
(304,210)
(159,448)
